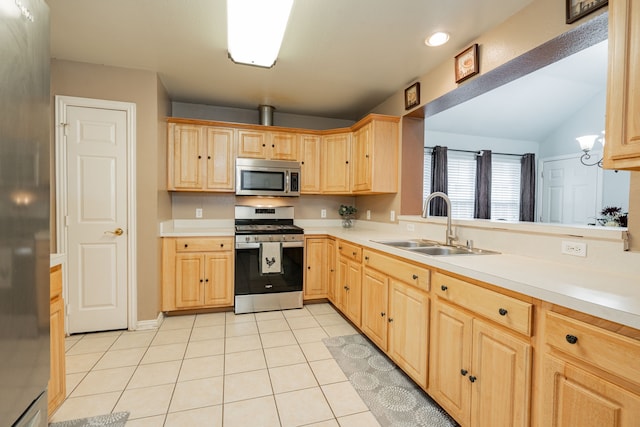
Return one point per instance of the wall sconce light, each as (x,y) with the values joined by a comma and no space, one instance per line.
(586,144)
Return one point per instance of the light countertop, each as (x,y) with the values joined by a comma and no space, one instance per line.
(604,294)
(57,259)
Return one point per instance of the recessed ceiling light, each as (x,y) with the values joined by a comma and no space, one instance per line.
(437,39)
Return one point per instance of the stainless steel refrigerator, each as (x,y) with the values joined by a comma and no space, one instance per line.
(24,212)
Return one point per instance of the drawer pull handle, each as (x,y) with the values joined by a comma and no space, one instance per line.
(472,378)
(415,276)
(502,312)
(463,372)
(443,287)
(572,339)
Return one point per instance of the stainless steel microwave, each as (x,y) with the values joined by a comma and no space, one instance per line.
(256,177)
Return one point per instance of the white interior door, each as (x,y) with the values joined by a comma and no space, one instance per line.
(96,143)
(570,191)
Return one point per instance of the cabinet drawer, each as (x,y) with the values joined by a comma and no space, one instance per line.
(601,348)
(502,309)
(350,251)
(404,271)
(204,244)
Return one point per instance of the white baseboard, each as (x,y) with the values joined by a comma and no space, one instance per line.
(143,325)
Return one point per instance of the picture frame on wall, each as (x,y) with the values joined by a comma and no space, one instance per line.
(412,96)
(577,9)
(466,63)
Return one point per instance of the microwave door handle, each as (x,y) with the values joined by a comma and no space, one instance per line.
(286,182)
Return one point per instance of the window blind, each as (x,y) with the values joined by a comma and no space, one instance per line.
(505,188)
(462,183)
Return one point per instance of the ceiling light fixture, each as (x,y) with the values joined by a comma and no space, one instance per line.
(586,144)
(437,39)
(255,29)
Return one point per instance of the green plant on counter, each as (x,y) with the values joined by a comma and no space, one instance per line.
(347,211)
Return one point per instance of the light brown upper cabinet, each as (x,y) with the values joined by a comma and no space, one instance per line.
(375,155)
(336,155)
(309,163)
(257,144)
(622,150)
(201,158)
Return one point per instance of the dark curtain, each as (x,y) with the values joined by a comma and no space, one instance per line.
(439,180)
(482,208)
(528,187)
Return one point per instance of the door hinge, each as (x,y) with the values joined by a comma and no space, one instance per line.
(66,220)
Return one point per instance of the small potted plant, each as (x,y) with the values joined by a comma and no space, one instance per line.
(612,216)
(347,213)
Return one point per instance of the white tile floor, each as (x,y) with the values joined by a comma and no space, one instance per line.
(219,369)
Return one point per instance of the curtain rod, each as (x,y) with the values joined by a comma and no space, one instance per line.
(480,151)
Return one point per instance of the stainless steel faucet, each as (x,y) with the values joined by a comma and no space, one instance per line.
(450,237)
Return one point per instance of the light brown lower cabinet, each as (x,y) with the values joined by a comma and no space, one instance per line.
(348,287)
(591,376)
(316,273)
(56,389)
(197,273)
(395,314)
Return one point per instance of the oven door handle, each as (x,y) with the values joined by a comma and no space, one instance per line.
(256,245)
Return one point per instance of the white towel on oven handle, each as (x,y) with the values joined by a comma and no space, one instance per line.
(271,258)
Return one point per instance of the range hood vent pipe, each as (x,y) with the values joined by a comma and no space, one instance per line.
(266,114)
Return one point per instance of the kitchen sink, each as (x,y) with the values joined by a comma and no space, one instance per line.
(430,247)
(409,244)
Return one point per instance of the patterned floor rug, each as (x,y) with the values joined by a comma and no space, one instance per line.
(393,398)
(117,419)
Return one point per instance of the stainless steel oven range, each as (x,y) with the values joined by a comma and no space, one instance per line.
(269,257)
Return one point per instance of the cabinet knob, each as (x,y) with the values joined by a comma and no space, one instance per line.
(415,276)
(472,378)
(354,254)
(199,157)
(308,267)
(502,312)
(571,339)
(347,162)
(201,280)
(347,288)
(390,319)
(186,246)
(222,245)
(332,270)
(366,155)
(302,163)
(273,146)
(382,314)
(264,145)
(340,247)
(463,372)
(209,157)
(443,287)
(206,280)
(366,258)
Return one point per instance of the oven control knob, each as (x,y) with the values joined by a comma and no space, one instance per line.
(247,238)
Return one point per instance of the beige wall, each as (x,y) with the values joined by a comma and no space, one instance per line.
(221,206)
(536,24)
(152,106)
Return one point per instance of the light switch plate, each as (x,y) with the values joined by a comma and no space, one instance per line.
(198,212)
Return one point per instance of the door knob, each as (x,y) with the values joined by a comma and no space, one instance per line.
(117,232)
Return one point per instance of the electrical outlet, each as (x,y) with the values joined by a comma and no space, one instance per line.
(574,248)
(368,214)
(198,212)
(411,227)
(323,213)
(392,216)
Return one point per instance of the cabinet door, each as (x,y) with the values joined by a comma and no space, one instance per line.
(315,273)
(252,144)
(501,367)
(56,390)
(186,157)
(353,302)
(361,155)
(409,330)
(220,159)
(189,280)
(375,293)
(342,278)
(574,397)
(310,163)
(450,361)
(622,150)
(218,286)
(332,279)
(283,146)
(336,153)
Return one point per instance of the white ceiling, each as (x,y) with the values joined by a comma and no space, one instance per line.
(531,107)
(339,58)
